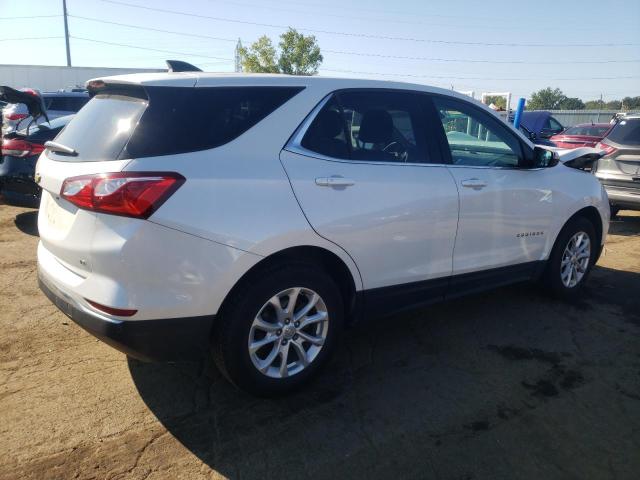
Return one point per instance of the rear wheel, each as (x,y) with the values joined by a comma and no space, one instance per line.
(278,329)
(572,258)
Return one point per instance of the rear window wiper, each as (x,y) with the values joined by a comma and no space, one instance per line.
(60,148)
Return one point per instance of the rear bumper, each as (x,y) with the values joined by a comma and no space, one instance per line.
(165,339)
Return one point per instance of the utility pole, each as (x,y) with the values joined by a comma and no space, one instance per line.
(66,32)
(237,57)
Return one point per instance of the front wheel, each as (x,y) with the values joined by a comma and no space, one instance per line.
(278,329)
(572,258)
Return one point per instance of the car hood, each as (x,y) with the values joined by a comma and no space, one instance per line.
(34,104)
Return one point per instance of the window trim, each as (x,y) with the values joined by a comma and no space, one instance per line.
(294,144)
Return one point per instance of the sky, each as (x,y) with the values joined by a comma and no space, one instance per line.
(587,48)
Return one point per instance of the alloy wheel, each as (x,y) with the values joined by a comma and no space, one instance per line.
(575,259)
(288,332)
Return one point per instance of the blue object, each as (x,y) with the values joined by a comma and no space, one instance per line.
(519,110)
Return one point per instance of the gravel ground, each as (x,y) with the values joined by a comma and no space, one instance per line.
(509,384)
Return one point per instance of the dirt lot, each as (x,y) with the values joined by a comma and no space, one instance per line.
(509,384)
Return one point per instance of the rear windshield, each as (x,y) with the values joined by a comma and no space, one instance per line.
(167,120)
(591,130)
(626,132)
(102,128)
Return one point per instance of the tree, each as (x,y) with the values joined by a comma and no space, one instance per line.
(630,103)
(260,57)
(571,103)
(497,100)
(546,99)
(299,55)
(594,105)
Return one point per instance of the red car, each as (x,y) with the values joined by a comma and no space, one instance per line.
(582,135)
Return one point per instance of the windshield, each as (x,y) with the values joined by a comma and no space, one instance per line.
(591,130)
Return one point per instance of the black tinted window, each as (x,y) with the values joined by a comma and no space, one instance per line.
(326,133)
(626,132)
(180,120)
(382,126)
(378,126)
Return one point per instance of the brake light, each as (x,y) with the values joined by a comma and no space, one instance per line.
(20,148)
(119,312)
(129,194)
(608,149)
(16,116)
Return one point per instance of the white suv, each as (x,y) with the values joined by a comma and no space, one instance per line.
(256,216)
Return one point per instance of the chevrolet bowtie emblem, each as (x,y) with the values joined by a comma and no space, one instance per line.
(37,178)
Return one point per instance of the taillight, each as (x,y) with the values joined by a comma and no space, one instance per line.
(608,149)
(16,116)
(20,148)
(130,194)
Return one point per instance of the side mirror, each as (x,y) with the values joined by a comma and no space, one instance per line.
(543,158)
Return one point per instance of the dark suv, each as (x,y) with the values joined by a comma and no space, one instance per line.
(619,169)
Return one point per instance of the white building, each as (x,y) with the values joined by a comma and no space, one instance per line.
(51,78)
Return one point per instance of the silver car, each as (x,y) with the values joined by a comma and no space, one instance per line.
(619,169)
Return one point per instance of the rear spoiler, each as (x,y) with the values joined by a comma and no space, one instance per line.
(34,103)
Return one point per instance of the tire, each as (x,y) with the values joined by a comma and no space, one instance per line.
(553,278)
(236,328)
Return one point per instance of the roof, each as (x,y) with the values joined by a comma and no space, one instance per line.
(201,79)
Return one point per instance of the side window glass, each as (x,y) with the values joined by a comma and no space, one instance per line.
(326,133)
(381,126)
(554,124)
(475,140)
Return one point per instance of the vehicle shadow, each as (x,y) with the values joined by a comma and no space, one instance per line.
(458,390)
(27,222)
(625,225)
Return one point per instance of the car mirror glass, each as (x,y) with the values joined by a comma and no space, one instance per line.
(543,158)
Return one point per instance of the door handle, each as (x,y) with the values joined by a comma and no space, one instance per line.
(334,182)
(474,183)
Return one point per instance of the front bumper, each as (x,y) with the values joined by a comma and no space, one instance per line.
(165,339)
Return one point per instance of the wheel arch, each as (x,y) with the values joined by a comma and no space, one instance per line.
(326,259)
(591,214)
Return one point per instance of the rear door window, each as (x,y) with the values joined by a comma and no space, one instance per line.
(370,125)
(626,132)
